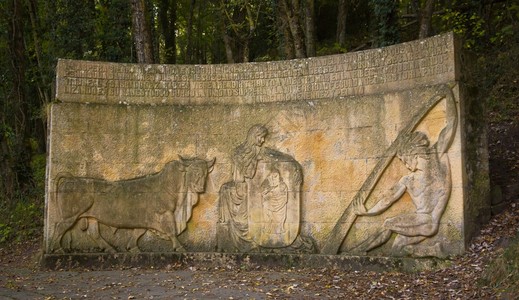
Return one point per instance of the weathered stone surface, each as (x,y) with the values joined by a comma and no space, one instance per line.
(336,134)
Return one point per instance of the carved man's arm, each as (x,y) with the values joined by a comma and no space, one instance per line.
(387,199)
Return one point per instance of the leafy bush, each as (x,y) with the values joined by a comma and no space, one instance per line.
(20,222)
(495,74)
(503,272)
(22,218)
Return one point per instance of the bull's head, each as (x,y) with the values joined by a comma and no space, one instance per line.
(196,172)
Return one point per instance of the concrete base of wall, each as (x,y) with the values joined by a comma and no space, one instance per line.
(242,261)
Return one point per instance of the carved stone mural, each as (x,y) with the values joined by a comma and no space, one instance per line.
(160,202)
(369,153)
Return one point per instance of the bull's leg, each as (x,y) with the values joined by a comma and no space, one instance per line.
(132,244)
(167,226)
(60,229)
(176,244)
(93,231)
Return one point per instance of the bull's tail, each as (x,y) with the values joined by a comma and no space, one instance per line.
(66,214)
(58,180)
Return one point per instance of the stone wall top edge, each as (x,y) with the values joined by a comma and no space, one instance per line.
(447,37)
(406,65)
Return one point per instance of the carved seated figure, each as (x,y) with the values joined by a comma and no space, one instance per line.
(259,207)
(428,185)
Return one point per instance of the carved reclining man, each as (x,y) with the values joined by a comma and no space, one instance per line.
(429,186)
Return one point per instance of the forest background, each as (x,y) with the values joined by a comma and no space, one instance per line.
(35,33)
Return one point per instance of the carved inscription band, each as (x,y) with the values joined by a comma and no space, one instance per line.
(350,74)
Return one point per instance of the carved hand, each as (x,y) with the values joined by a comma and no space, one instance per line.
(358,207)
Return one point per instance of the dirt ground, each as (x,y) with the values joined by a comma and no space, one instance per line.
(21,277)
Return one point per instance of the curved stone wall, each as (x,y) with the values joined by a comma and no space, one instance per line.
(360,153)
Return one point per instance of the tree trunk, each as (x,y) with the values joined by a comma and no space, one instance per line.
(189,33)
(296,29)
(15,156)
(287,42)
(310,28)
(200,55)
(42,84)
(425,19)
(154,36)
(239,24)
(42,87)
(290,52)
(342,11)
(141,33)
(227,40)
(168,19)
(9,178)
(291,9)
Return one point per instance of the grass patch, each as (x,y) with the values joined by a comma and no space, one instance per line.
(21,221)
(503,272)
(21,218)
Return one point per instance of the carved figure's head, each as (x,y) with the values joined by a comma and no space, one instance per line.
(256,135)
(274,178)
(196,173)
(413,146)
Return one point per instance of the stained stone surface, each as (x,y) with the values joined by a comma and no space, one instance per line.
(361,153)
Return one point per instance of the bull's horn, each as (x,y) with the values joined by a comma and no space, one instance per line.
(210,165)
(184,161)
(183,158)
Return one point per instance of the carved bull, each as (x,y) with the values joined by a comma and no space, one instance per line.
(160,202)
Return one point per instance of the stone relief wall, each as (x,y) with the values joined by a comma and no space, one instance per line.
(361,153)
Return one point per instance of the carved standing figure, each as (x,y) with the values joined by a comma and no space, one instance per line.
(234,194)
(428,185)
(275,198)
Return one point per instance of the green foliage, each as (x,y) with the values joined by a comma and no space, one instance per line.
(75,28)
(112,31)
(6,232)
(38,167)
(504,22)
(386,16)
(503,272)
(21,222)
(467,24)
(206,43)
(495,73)
(480,24)
(335,48)
(23,218)
(8,134)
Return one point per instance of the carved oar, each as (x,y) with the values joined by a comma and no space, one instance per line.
(343,225)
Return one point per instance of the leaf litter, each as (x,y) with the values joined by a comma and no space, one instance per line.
(20,278)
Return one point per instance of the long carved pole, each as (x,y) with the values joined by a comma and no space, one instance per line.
(343,225)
